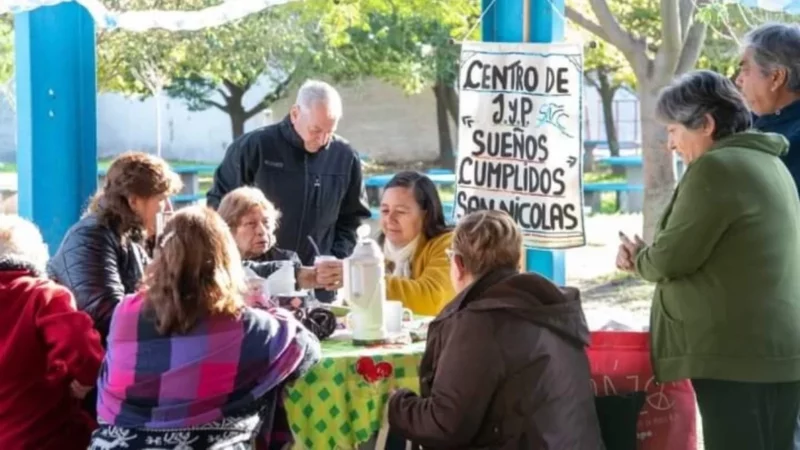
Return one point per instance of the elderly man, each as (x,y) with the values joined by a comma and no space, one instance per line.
(769,79)
(312,175)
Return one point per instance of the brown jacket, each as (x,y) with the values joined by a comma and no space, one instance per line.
(504,368)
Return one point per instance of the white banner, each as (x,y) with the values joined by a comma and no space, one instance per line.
(146,20)
(519,142)
(785,6)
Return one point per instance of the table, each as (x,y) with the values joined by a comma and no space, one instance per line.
(633,199)
(376,183)
(334,407)
(190,176)
(630,201)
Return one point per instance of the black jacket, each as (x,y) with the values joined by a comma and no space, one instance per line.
(320,194)
(787,123)
(93,263)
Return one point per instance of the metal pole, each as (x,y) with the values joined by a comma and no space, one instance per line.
(56,116)
(529,21)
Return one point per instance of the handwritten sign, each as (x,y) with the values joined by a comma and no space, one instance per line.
(519,143)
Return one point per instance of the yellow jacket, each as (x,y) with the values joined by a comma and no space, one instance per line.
(429,289)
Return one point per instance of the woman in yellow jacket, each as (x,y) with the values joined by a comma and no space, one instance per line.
(415,239)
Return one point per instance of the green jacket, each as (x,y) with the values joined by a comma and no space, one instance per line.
(726,260)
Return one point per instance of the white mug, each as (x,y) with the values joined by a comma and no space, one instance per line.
(394,314)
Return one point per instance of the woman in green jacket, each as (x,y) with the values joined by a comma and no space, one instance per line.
(726,263)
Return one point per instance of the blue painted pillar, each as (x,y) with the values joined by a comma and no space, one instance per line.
(504,22)
(56,116)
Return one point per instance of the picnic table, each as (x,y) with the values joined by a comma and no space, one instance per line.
(376,183)
(631,192)
(334,407)
(190,176)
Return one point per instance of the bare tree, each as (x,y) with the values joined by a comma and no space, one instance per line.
(155,80)
(655,65)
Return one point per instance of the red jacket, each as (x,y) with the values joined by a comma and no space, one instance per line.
(45,344)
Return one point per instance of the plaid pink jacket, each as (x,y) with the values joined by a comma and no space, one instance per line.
(219,369)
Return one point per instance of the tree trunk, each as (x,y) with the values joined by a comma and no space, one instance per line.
(237,124)
(659,176)
(447,158)
(607,92)
(452,103)
(235,108)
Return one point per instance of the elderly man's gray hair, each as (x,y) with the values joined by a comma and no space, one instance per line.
(701,93)
(314,92)
(777,46)
(21,241)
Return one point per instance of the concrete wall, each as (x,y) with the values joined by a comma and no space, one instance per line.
(380,121)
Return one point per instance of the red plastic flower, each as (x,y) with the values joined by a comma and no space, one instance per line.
(371,372)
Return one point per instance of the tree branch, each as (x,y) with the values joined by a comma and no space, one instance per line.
(233,88)
(214,104)
(670,51)
(224,94)
(731,33)
(586,24)
(687,9)
(691,47)
(280,91)
(634,49)
(615,34)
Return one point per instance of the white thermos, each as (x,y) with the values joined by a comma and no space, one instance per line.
(365,289)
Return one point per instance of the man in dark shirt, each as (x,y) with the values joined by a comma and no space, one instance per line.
(311,175)
(769,78)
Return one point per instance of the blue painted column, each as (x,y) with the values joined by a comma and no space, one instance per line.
(504,22)
(56,116)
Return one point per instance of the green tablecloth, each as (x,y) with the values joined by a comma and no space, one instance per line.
(340,402)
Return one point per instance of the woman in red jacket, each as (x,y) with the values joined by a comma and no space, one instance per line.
(49,352)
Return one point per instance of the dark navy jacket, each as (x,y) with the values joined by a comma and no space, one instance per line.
(320,194)
(787,123)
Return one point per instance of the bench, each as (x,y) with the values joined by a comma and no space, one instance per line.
(376,183)
(181,200)
(592,192)
(190,176)
(630,200)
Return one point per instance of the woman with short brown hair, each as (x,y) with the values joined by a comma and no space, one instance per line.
(504,365)
(218,363)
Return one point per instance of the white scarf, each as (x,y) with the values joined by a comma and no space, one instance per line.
(400,257)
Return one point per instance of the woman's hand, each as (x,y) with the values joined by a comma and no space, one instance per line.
(624,259)
(329,275)
(628,249)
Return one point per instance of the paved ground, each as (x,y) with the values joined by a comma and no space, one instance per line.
(607,293)
(591,268)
